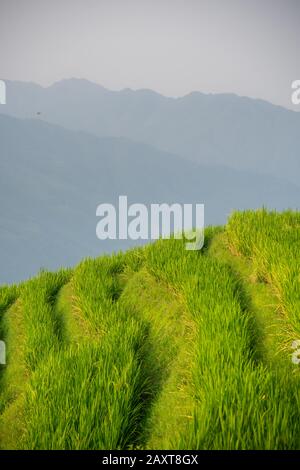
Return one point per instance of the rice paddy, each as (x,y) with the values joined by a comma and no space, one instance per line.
(160,347)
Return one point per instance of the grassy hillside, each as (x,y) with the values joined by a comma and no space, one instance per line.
(160,347)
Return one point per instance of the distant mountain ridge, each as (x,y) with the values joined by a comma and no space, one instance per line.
(229,130)
(52,179)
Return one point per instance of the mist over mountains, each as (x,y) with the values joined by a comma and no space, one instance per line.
(67,148)
(228,130)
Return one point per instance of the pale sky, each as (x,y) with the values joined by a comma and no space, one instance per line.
(247,47)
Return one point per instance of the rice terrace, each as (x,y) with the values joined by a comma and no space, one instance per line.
(159,347)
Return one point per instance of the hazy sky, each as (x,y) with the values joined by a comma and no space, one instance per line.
(248,47)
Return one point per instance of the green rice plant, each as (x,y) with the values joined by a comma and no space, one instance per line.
(93,397)
(32,332)
(43,329)
(100,378)
(159,346)
(239,404)
(166,358)
(8,295)
(272,241)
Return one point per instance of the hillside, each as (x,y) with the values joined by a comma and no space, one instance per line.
(52,179)
(224,129)
(159,347)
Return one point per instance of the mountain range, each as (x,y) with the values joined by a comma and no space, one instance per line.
(228,130)
(71,146)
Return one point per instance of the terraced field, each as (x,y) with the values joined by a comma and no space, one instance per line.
(159,347)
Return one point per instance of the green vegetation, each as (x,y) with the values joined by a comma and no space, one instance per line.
(160,347)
